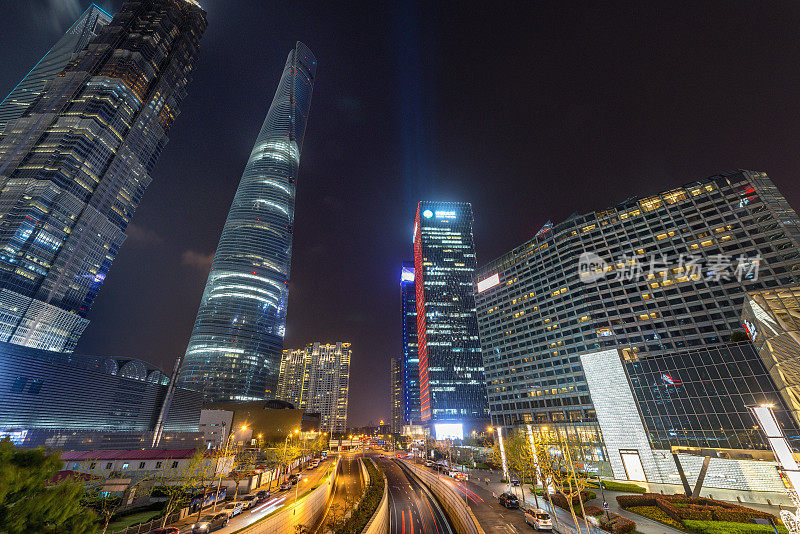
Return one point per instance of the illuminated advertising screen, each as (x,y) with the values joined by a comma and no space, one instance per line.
(488,283)
(449,431)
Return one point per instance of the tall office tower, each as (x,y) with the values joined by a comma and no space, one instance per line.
(624,318)
(317,379)
(396,395)
(235,349)
(452,389)
(77,37)
(410,363)
(74,166)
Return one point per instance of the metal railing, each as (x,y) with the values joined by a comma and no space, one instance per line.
(143,528)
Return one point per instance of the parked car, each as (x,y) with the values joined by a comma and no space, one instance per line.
(262,495)
(428,463)
(248,501)
(209,523)
(514,481)
(166,530)
(538,519)
(286,485)
(234,508)
(294,478)
(509,500)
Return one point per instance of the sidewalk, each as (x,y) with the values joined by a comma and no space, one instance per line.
(643,525)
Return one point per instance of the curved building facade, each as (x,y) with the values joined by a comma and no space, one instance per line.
(235,349)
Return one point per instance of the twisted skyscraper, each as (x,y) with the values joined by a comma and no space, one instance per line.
(74,166)
(235,349)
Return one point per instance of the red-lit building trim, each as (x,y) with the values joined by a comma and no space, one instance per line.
(422,341)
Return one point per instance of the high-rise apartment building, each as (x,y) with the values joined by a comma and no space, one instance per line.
(396,395)
(235,349)
(74,167)
(410,364)
(317,379)
(77,37)
(452,390)
(623,318)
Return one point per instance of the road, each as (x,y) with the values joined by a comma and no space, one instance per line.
(349,488)
(277,500)
(412,508)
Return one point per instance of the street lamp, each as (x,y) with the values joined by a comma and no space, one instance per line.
(296,489)
(219,483)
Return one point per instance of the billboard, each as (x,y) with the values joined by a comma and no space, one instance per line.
(488,283)
(449,431)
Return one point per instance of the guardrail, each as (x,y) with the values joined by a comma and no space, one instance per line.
(306,511)
(379,524)
(460,515)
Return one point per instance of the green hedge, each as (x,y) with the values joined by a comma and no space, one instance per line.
(681,508)
(727,527)
(657,514)
(369,503)
(610,485)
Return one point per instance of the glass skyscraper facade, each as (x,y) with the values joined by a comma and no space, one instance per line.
(658,277)
(396,395)
(235,349)
(77,37)
(771,318)
(410,361)
(452,390)
(74,167)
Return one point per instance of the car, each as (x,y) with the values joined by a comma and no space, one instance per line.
(428,463)
(311,466)
(514,481)
(459,475)
(234,508)
(509,500)
(538,519)
(248,501)
(294,478)
(166,530)
(209,523)
(262,495)
(286,485)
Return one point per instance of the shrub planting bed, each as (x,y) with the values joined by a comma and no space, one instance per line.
(727,527)
(688,513)
(610,485)
(369,503)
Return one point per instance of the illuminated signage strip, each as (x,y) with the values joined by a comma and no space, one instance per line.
(488,283)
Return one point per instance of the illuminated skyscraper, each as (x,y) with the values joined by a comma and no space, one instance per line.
(74,167)
(396,395)
(410,362)
(77,37)
(317,379)
(452,389)
(235,349)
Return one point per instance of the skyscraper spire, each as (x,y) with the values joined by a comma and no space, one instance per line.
(235,349)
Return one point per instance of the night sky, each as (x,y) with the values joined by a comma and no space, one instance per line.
(529,110)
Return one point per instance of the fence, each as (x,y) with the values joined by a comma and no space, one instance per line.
(143,528)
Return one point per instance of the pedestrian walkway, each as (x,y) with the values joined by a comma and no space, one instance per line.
(643,525)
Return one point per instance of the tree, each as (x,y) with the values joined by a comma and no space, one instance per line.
(30,503)
(105,506)
(556,461)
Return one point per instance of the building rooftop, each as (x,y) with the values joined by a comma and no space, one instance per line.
(150,454)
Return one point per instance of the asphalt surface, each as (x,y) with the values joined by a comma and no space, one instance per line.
(277,500)
(412,508)
(349,488)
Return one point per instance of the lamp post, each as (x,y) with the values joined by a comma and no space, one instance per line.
(502,454)
(296,489)
(285,448)
(219,483)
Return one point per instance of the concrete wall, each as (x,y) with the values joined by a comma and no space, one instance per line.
(379,524)
(460,515)
(307,511)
